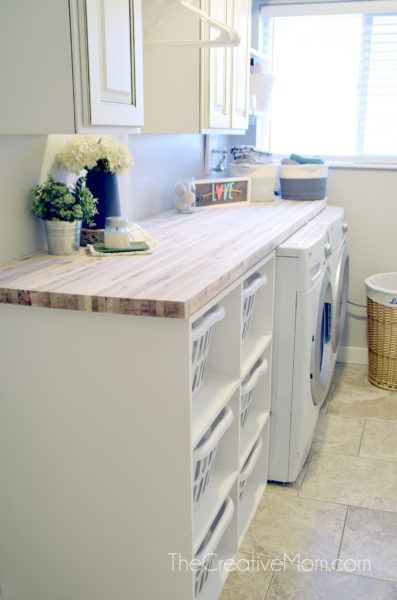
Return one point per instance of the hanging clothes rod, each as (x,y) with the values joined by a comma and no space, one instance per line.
(228,36)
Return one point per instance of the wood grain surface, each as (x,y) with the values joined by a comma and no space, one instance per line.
(197,257)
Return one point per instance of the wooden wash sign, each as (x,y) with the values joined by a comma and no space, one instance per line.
(221,191)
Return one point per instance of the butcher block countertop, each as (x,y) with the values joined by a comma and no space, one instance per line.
(197,257)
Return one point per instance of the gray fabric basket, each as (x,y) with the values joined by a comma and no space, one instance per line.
(303,189)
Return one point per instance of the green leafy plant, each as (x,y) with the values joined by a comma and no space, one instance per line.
(55,201)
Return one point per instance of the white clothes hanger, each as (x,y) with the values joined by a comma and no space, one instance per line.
(228,36)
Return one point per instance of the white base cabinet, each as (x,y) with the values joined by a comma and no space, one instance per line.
(98,427)
(71,66)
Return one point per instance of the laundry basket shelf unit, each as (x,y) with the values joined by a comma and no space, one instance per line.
(230,360)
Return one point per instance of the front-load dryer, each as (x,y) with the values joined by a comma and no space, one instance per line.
(303,353)
(334,218)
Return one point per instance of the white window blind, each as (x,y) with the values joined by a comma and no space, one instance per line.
(335,89)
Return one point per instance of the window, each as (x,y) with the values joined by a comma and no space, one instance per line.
(335,85)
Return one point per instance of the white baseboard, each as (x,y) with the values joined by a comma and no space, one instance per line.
(351,354)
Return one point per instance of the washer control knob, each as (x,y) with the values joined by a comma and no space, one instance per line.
(345,226)
(327,249)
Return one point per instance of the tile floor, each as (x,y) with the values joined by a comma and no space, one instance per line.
(341,513)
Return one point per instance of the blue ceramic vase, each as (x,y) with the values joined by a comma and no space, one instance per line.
(104,186)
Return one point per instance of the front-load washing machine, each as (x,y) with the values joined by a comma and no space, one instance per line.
(302,351)
(334,218)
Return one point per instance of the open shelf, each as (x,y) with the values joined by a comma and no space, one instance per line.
(250,434)
(210,399)
(253,347)
(207,509)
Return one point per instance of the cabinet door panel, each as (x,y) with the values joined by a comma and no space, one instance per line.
(220,85)
(117,81)
(114,62)
(241,65)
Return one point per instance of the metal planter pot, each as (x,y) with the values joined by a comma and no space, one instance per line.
(63,238)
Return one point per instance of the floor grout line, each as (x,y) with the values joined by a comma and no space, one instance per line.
(324,451)
(334,502)
(393,512)
(309,458)
(269,586)
(343,532)
(362,437)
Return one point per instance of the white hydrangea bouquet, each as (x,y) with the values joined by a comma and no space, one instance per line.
(94,154)
(103,159)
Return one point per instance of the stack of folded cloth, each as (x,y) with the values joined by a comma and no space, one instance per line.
(298,159)
(251,155)
(303,178)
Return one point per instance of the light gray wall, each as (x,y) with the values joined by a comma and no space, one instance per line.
(159,161)
(21,160)
(370,201)
(145,190)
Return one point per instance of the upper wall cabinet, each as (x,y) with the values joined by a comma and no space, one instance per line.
(241,58)
(217,76)
(189,89)
(71,66)
(108,54)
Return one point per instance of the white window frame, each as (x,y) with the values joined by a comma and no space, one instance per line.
(289,8)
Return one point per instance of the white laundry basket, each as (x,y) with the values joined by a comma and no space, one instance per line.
(207,550)
(249,466)
(248,389)
(264,179)
(204,454)
(201,339)
(250,287)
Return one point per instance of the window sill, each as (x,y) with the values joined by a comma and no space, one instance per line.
(345,163)
(335,164)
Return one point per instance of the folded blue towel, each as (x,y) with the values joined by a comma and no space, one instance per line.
(307,160)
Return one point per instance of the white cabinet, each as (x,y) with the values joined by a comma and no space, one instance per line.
(108,62)
(219,91)
(98,490)
(70,66)
(193,90)
(241,59)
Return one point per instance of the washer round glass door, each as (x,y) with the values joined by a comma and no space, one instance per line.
(321,359)
(342,288)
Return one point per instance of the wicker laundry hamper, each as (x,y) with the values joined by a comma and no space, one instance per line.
(382,330)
